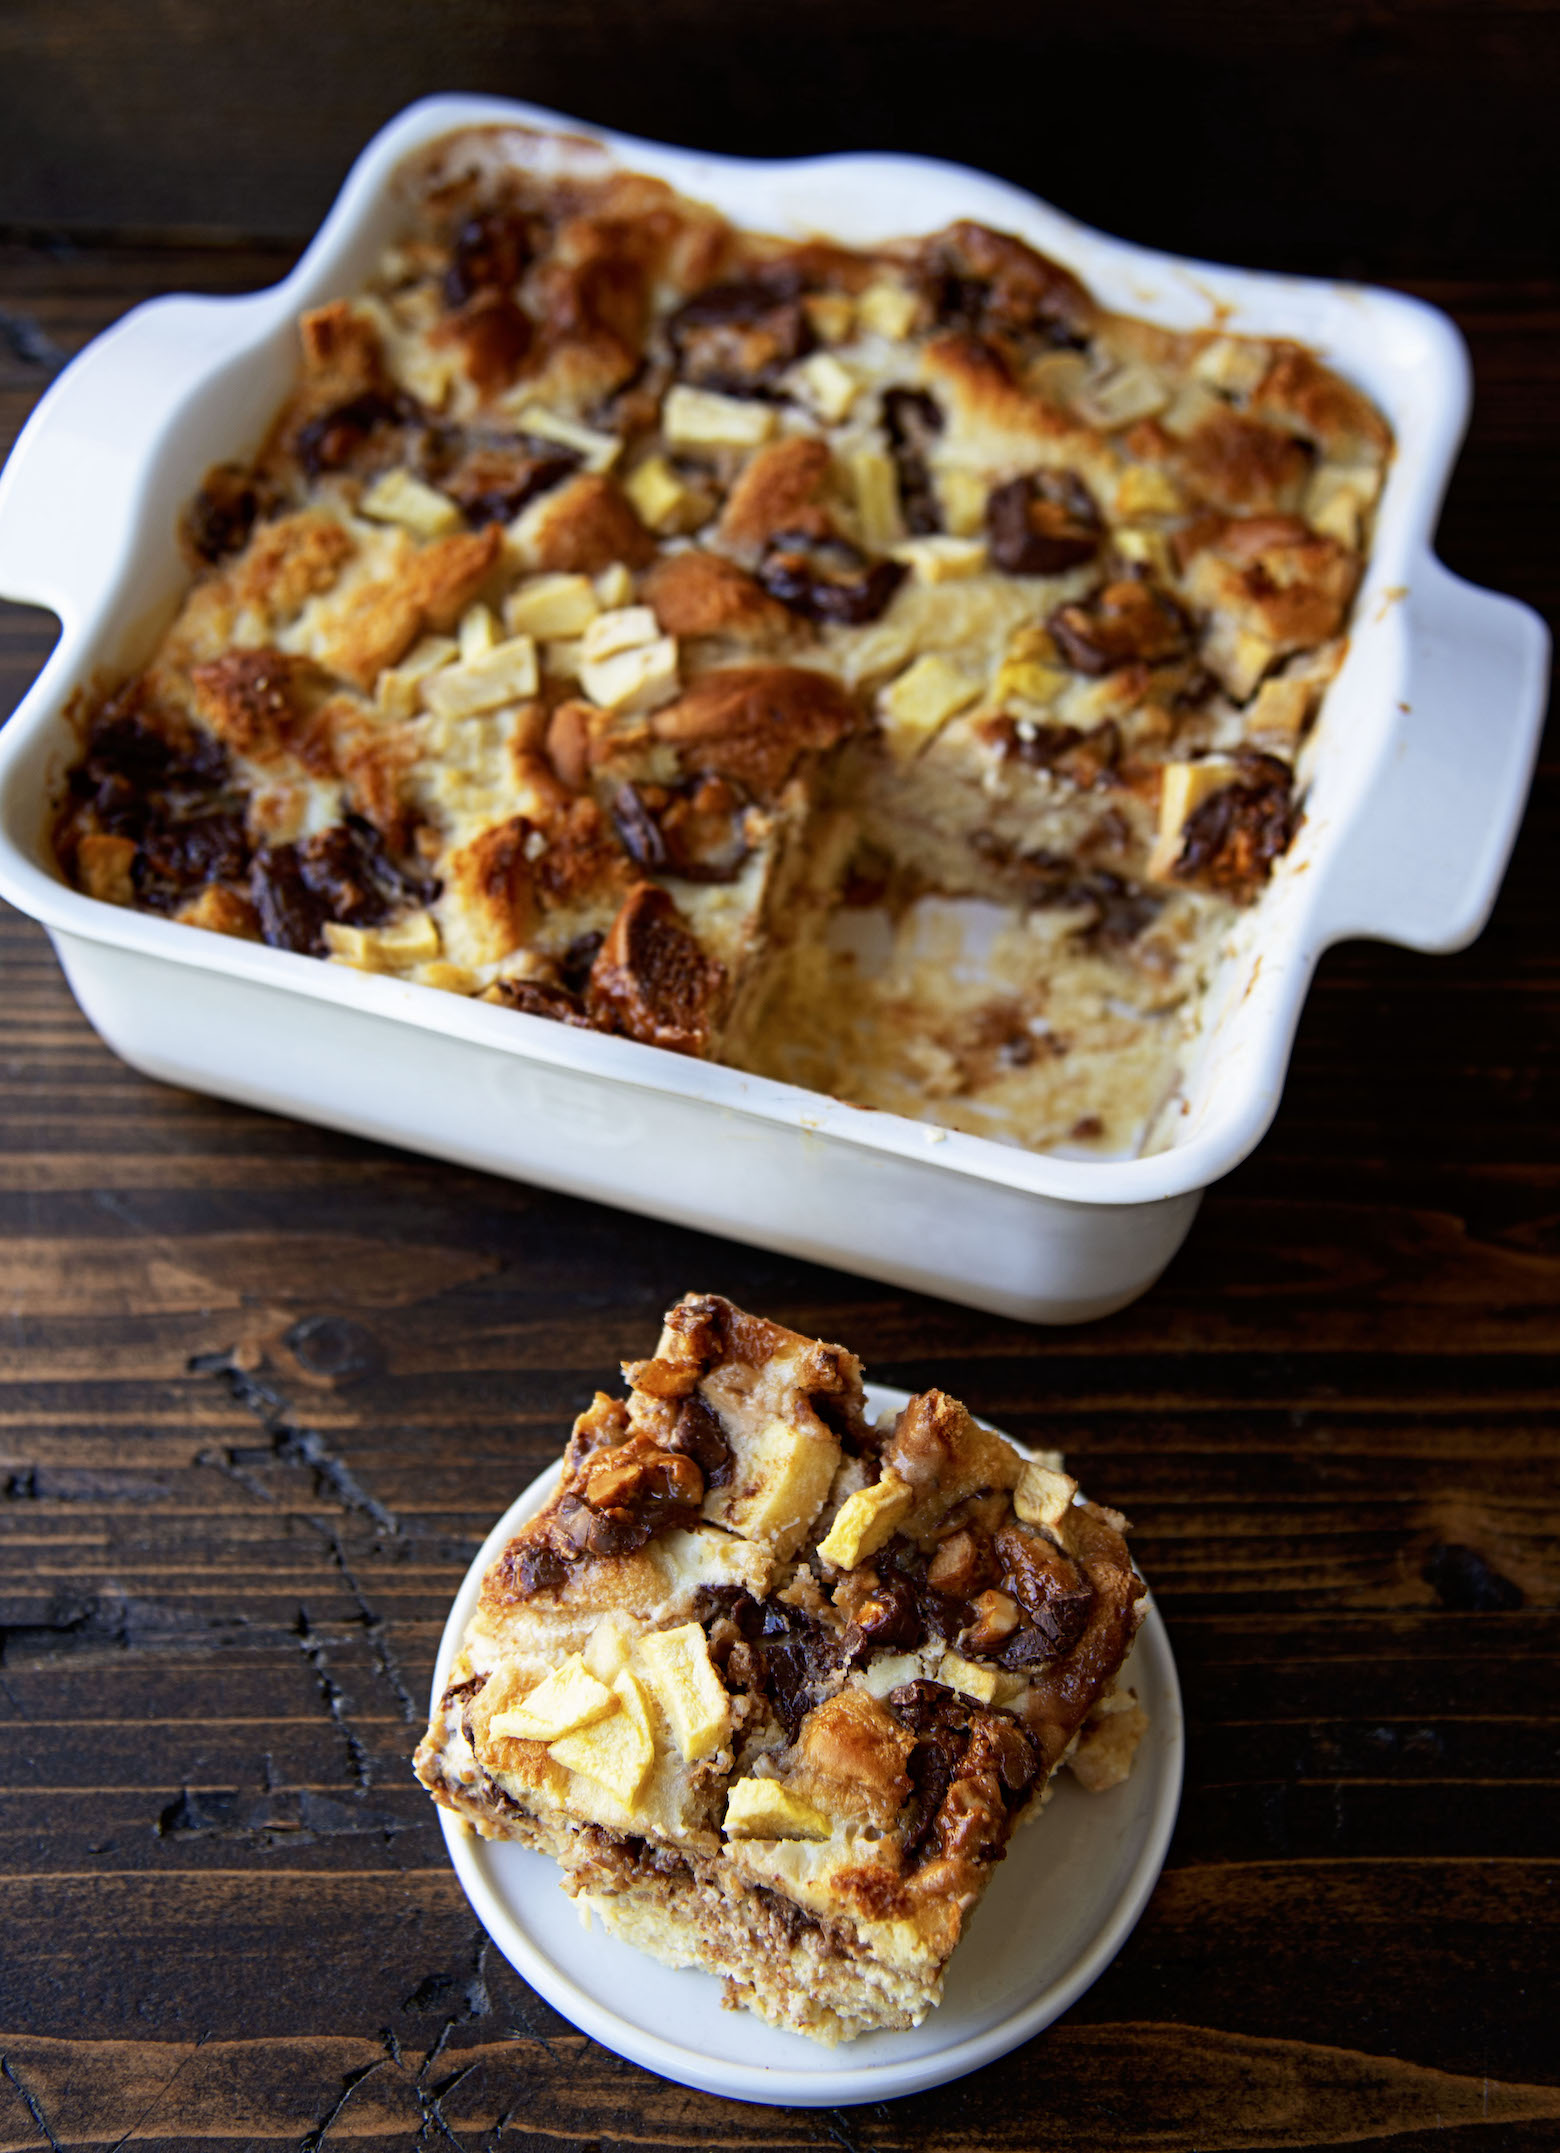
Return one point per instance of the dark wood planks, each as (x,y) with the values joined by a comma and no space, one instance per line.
(1346,135)
(263,1388)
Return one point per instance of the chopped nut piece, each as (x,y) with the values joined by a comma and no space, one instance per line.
(827,386)
(922,700)
(961,1674)
(597,451)
(627,628)
(866,1522)
(875,484)
(1118,398)
(887,309)
(640,678)
(569,1698)
(704,419)
(996,1618)
(1042,1496)
(477,633)
(400,498)
(507,674)
(548,607)
(1146,490)
(941,558)
(662,500)
(764,1809)
(398,690)
(1278,712)
(676,1664)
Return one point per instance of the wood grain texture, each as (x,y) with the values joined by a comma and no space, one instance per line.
(263,1388)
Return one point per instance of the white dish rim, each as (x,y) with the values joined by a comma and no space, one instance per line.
(832,2085)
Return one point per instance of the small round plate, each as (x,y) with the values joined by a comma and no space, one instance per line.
(1072,1886)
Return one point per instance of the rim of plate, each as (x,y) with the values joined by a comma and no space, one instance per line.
(828,2084)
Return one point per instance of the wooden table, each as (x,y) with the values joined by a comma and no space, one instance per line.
(265,1388)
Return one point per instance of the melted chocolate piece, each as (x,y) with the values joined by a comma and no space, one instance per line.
(220,518)
(787,1652)
(740,335)
(1043,524)
(1232,840)
(971,1768)
(830,582)
(575,963)
(639,830)
(174,798)
(342,874)
(337,438)
(698,1434)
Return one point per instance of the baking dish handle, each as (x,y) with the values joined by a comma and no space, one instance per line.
(69,490)
(1423,866)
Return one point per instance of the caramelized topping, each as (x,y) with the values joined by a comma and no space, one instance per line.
(738,337)
(971,1769)
(652,981)
(991,284)
(1044,524)
(829,581)
(342,874)
(1126,623)
(1232,840)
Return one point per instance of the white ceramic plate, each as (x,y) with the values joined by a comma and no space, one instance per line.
(1073,1885)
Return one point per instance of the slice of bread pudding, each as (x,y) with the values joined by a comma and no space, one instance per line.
(774,1683)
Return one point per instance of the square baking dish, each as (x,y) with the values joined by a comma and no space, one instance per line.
(1422,756)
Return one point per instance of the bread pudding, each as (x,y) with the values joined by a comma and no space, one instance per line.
(881,669)
(774,1684)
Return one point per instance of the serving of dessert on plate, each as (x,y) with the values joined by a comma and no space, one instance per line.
(775,1683)
(882,669)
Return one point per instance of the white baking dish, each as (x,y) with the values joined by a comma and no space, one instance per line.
(1423,755)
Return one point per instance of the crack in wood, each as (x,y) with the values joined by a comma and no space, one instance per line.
(162,2094)
(30,2104)
(375,1628)
(291,1443)
(313,2141)
(334,1697)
